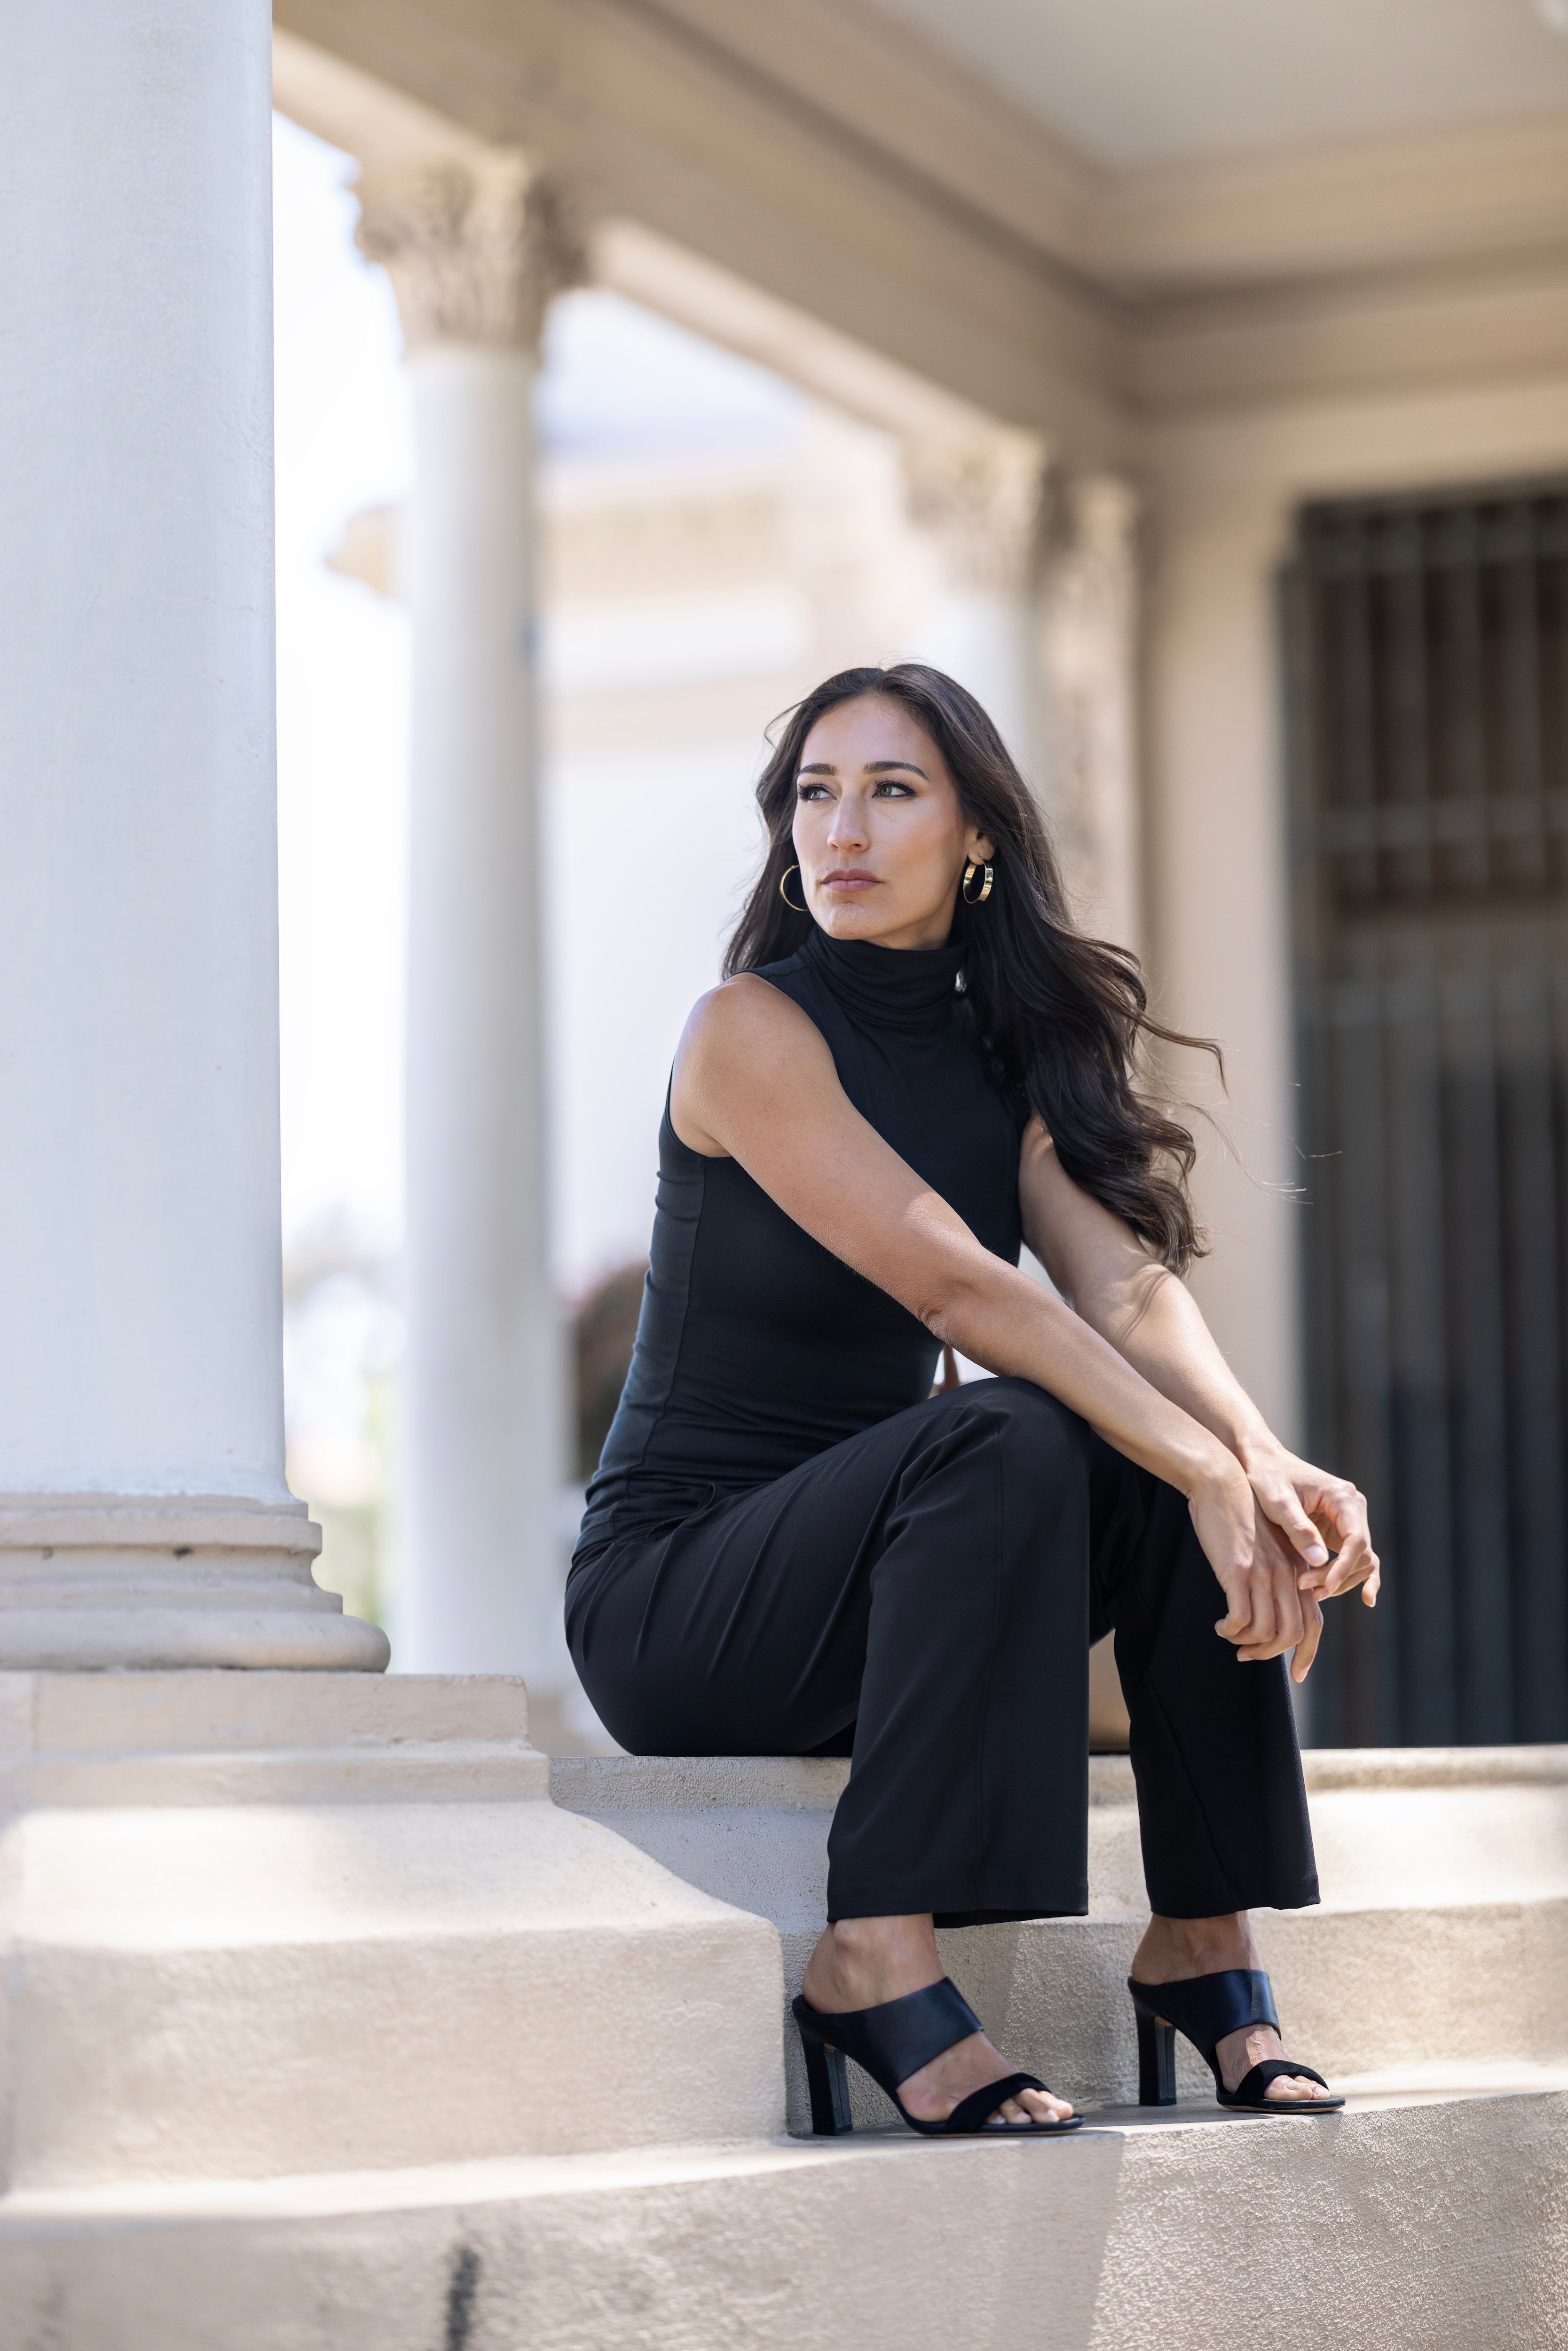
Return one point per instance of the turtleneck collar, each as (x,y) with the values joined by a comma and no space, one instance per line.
(887,987)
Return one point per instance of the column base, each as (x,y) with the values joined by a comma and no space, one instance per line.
(125,1582)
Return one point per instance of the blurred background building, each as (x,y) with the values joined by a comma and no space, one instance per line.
(1193,384)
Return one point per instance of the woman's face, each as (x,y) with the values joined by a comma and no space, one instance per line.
(879,830)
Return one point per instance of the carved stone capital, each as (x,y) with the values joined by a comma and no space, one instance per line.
(1089,666)
(1090,583)
(474,250)
(982,500)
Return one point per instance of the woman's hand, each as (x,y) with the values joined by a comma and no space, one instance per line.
(1266,1612)
(1273,1605)
(1318,1516)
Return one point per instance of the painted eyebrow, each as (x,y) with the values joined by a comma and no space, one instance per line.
(873,767)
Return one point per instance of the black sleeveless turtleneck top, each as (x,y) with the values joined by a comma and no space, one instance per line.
(756,1346)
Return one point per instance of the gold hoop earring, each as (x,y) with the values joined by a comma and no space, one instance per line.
(784,891)
(985,889)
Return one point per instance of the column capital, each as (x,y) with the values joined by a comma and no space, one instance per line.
(476,249)
(1089,661)
(983,500)
(1091,562)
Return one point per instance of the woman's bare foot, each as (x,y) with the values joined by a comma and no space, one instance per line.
(860,1963)
(1173,1949)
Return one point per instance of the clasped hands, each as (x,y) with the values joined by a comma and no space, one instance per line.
(1307,1541)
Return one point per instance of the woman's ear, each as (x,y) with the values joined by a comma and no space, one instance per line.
(980,848)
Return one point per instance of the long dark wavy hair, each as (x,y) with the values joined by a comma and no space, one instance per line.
(1060,1019)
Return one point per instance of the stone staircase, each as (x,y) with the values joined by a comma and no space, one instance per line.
(1438,1959)
(323,2027)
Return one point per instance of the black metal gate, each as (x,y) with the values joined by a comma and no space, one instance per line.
(1426,642)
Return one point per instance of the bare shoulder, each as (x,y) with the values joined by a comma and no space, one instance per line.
(747,1054)
(741,1018)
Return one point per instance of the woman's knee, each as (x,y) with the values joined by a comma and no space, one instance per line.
(1038,1436)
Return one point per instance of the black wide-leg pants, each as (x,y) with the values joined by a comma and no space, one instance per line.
(922,1597)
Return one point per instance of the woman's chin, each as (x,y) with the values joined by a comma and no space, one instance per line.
(854,917)
(878,925)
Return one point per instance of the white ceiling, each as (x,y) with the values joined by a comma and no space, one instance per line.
(1144,81)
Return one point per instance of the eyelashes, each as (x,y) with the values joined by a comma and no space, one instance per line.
(890,787)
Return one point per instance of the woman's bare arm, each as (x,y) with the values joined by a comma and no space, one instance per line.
(755,1080)
(1150,1317)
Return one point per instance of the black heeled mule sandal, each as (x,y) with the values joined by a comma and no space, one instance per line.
(1205,2008)
(891,2043)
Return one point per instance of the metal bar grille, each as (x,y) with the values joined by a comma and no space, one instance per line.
(1426,681)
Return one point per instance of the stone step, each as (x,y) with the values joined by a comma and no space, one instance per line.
(1442,1939)
(1403,2225)
(256,1924)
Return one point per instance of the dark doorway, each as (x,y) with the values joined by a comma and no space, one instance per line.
(1427,645)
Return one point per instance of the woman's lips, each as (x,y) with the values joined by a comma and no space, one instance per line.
(850,877)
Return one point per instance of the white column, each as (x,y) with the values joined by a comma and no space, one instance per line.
(144,1519)
(979,504)
(473,252)
(1088,663)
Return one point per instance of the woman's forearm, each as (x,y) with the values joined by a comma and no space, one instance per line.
(1016,1329)
(1156,1325)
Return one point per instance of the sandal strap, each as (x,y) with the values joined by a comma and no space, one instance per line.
(899,2036)
(973,2113)
(1248,2091)
(1205,2008)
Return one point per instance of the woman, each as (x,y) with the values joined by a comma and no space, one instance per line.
(792,1546)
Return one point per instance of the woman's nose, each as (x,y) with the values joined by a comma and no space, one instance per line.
(848,828)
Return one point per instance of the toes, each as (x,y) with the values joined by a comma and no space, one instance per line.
(1025,2106)
(1029,2106)
(1039,2107)
(1287,2089)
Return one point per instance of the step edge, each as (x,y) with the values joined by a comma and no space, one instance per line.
(519,2179)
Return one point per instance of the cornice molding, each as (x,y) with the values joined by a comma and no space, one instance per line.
(382,126)
(1259,216)
(864,81)
(1383,332)
(633,260)
(858,87)
(1492,190)
(705,150)
(856,194)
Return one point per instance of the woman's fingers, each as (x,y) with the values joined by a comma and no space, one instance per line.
(1324,1521)
(1343,1507)
(1265,1631)
(1283,1505)
(1311,1634)
(1240,1621)
(1224,1520)
(1279,1615)
(1348,1568)
(1290,1620)
(1357,1563)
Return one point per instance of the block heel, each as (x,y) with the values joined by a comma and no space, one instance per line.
(828,2088)
(1205,2008)
(891,2043)
(1157,2060)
